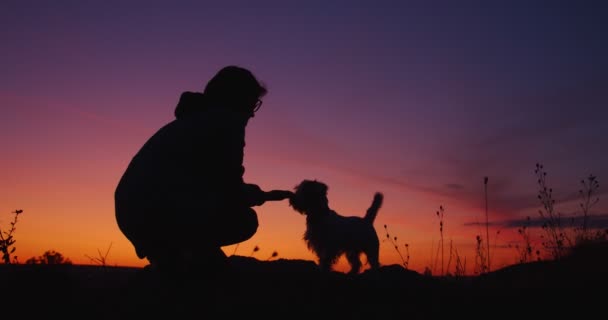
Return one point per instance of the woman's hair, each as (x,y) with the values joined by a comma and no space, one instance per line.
(234,86)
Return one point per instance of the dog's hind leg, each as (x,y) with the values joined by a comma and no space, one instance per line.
(372,258)
(355,262)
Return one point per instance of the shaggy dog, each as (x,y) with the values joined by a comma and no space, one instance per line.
(330,235)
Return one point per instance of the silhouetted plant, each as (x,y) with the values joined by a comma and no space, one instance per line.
(588,200)
(481,261)
(447,267)
(255,249)
(459,265)
(485,187)
(496,234)
(427,272)
(102,258)
(393,240)
(49,257)
(556,237)
(235,247)
(525,251)
(7,240)
(273,255)
(440,214)
(460,269)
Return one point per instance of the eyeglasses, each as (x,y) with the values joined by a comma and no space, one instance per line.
(257,105)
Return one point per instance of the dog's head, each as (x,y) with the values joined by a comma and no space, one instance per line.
(309,196)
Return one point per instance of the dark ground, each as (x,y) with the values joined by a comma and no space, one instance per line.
(575,287)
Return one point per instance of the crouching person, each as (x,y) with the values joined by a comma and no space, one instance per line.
(182,196)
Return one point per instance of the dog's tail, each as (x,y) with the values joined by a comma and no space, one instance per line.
(372,212)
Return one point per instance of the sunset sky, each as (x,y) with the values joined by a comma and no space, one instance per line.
(417,99)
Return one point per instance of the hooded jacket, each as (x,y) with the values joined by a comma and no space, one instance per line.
(194,162)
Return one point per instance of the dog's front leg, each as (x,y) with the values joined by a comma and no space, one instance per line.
(325,264)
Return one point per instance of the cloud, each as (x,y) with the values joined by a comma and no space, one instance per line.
(595,221)
(562,125)
(548,115)
(454,186)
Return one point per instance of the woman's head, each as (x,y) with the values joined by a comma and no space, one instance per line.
(235,87)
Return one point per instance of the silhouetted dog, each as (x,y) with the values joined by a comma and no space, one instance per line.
(329,235)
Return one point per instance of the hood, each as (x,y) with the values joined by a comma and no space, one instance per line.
(189,103)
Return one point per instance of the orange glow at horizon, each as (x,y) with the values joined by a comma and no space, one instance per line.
(94,233)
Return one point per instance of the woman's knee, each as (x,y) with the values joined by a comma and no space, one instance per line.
(241,227)
(247,224)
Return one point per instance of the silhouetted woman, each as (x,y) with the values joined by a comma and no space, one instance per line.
(182,196)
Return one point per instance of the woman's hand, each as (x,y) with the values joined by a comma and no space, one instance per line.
(278,195)
(256,196)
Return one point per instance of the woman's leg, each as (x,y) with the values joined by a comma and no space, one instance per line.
(235,226)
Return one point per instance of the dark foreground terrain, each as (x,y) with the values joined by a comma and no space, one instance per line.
(575,287)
